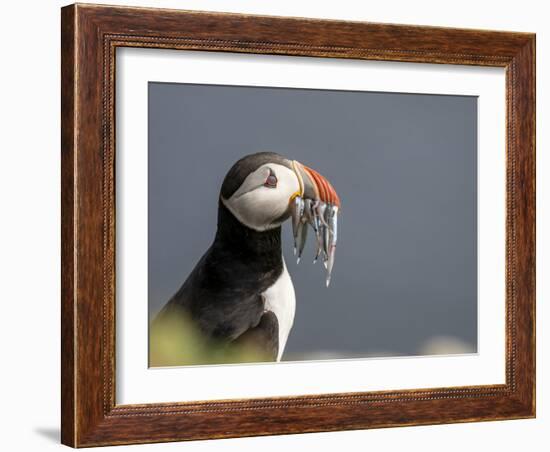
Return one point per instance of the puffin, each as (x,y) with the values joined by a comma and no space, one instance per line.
(240,293)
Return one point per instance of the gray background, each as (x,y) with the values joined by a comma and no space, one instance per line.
(404,165)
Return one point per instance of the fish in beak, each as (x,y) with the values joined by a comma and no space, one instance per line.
(315,204)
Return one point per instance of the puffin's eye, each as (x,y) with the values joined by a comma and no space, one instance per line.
(271,180)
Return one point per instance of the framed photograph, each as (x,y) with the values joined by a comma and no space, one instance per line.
(281,225)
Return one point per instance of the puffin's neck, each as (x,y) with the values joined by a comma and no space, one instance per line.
(241,239)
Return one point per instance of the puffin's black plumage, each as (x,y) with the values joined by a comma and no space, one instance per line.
(222,295)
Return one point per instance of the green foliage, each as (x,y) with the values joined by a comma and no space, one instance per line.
(175,340)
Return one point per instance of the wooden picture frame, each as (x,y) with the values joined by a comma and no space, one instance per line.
(90,35)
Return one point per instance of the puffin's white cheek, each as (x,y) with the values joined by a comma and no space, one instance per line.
(260,208)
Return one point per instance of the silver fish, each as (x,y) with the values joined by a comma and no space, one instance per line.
(301,242)
(333,238)
(323,218)
(296,214)
(321,208)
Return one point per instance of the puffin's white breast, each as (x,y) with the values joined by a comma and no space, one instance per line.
(281,300)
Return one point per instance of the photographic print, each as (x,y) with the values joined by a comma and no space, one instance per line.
(293,224)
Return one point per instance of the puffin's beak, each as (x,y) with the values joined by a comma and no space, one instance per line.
(316,204)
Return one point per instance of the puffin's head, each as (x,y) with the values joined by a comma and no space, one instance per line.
(263,190)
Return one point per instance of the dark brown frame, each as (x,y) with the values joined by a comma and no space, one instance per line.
(90,34)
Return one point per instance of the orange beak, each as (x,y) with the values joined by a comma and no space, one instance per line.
(315,186)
